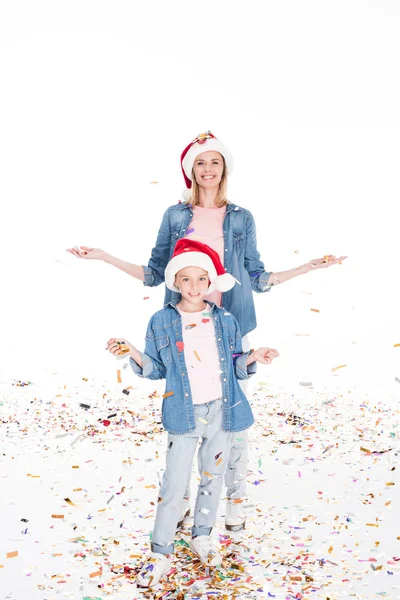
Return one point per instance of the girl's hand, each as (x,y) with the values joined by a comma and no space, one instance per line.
(119,346)
(88,253)
(324,263)
(265,355)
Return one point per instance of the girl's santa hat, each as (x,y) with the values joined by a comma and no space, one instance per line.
(203,143)
(189,253)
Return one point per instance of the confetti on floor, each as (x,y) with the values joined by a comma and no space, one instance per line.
(321,517)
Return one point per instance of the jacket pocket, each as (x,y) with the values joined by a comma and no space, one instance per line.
(238,241)
(164,349)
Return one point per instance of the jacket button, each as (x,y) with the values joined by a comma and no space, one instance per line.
(183,374)
(186,394)
(222,358)
(225,399)
(224,379)
(219,339)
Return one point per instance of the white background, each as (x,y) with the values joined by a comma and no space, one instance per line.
(99,99)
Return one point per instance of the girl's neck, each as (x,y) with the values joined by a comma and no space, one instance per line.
(208,197)
(190,307)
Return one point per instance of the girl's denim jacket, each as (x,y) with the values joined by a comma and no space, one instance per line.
(241,256)
(163,360)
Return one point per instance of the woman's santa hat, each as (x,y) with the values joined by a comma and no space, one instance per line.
(189,253)
(203,143)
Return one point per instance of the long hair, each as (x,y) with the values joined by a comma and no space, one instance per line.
(221,199)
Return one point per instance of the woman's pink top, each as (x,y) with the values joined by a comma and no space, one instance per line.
(206,227)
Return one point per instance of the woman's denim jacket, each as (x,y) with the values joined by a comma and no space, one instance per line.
(242,259)
(163,360)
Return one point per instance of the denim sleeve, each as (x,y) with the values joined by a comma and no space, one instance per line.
(242,371)
(255,267)
(152,366)
(154,271)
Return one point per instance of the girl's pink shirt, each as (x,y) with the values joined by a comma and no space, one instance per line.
(201,356)
(207,227)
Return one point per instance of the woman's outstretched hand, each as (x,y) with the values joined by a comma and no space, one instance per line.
(88,253)
(323,263)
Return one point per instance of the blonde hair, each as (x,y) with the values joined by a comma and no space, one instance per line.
(221,198)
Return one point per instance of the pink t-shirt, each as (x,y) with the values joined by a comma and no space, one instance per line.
(201,356)
(206,227)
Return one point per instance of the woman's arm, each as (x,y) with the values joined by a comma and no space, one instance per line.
(312,265)
(151,274)
(261,280)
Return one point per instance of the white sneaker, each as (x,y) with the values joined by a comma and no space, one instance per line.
(204,548)
(235,519)
(153,569)
(185,512)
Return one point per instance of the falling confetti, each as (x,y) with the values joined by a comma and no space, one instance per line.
(339,367)
(119,379)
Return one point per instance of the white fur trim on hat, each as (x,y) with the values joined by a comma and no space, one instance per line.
(222,283)
(188,259)
(210,144)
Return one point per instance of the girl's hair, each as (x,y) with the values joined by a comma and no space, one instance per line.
(221,199)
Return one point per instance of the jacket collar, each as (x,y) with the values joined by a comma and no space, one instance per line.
(173,304)
(229,207)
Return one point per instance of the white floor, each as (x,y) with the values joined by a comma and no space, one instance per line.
(323,491)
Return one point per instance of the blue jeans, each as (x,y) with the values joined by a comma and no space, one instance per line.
(235,476)
(213,461)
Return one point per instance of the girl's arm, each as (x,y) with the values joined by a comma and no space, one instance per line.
(147,364)
(262,355)
(243,368)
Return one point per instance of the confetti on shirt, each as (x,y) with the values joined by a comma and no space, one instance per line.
(167,394)
(180,346)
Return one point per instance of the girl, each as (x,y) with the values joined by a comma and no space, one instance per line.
(206,215)
(197,348)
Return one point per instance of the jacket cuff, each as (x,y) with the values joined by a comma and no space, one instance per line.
(148,276)
(244,371)
(147,367)
(263,282)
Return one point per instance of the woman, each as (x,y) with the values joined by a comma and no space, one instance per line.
(207,216)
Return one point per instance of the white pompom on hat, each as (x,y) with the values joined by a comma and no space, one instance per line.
(203,143)
(190,253)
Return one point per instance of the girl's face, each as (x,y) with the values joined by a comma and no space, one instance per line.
(193,283)
(208,169)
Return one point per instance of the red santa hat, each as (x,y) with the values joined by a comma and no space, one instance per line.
(203,143)
(190,253)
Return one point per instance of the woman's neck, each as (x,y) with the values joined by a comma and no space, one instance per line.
(208,197)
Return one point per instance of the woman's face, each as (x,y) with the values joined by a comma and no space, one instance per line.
(208,169)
